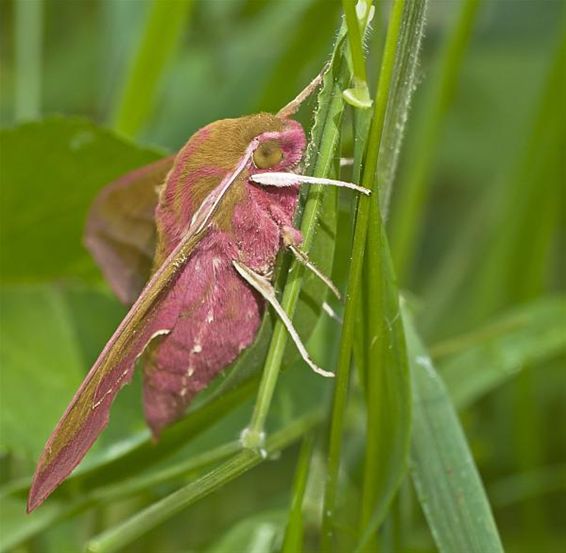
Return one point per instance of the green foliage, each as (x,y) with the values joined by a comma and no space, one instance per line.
(447,482)
(475,233)
(61,163)
(477,363)
(33,359)
(164,26)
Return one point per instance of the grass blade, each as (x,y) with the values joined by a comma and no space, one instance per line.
(138,484)
(324,142)
(402,89)
(519,487)
(294,533)
(481,361)
(343,368)
(407,216)
(155,514)
(387,376)
(165,23)
(388,382)
(514,266)
(446,479)
(519,230)
(28,48)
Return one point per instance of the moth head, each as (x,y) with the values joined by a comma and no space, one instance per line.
(280,150)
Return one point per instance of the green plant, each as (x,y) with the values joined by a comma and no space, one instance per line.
(422,404)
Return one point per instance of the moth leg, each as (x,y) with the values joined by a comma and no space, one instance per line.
(331,313)
(283,179)
(264,287)
(292,240)
(303,258)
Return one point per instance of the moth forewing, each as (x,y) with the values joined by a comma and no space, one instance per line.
(87,414)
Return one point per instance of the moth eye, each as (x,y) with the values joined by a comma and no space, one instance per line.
(267,155)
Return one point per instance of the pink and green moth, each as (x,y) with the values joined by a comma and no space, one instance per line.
(190,242)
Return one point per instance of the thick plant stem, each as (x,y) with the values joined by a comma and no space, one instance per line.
(352,296)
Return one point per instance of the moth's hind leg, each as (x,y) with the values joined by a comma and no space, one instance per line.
(264,287)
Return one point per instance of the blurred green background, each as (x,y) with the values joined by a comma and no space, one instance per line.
(481,257)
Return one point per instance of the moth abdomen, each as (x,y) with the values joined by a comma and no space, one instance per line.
(219,317)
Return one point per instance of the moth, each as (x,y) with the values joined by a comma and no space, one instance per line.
(194,257)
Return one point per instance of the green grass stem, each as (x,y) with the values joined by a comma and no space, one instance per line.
(294,533)
(327,131)
(353,290)
(358,96)
(136,526)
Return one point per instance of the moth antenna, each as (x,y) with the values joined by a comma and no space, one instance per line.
(303,258)
(293,106)
(264,287)
(291,179)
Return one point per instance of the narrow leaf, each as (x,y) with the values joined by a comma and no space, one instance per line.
(353,295)
(323,144)
(294,533)
(408,215)
(388,381)
(448,485)
(405,78)
(482,361)
(166,21)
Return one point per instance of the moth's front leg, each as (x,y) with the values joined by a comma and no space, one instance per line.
(292,240)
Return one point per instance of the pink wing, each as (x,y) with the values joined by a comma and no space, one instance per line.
(154,313)
(120,230)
